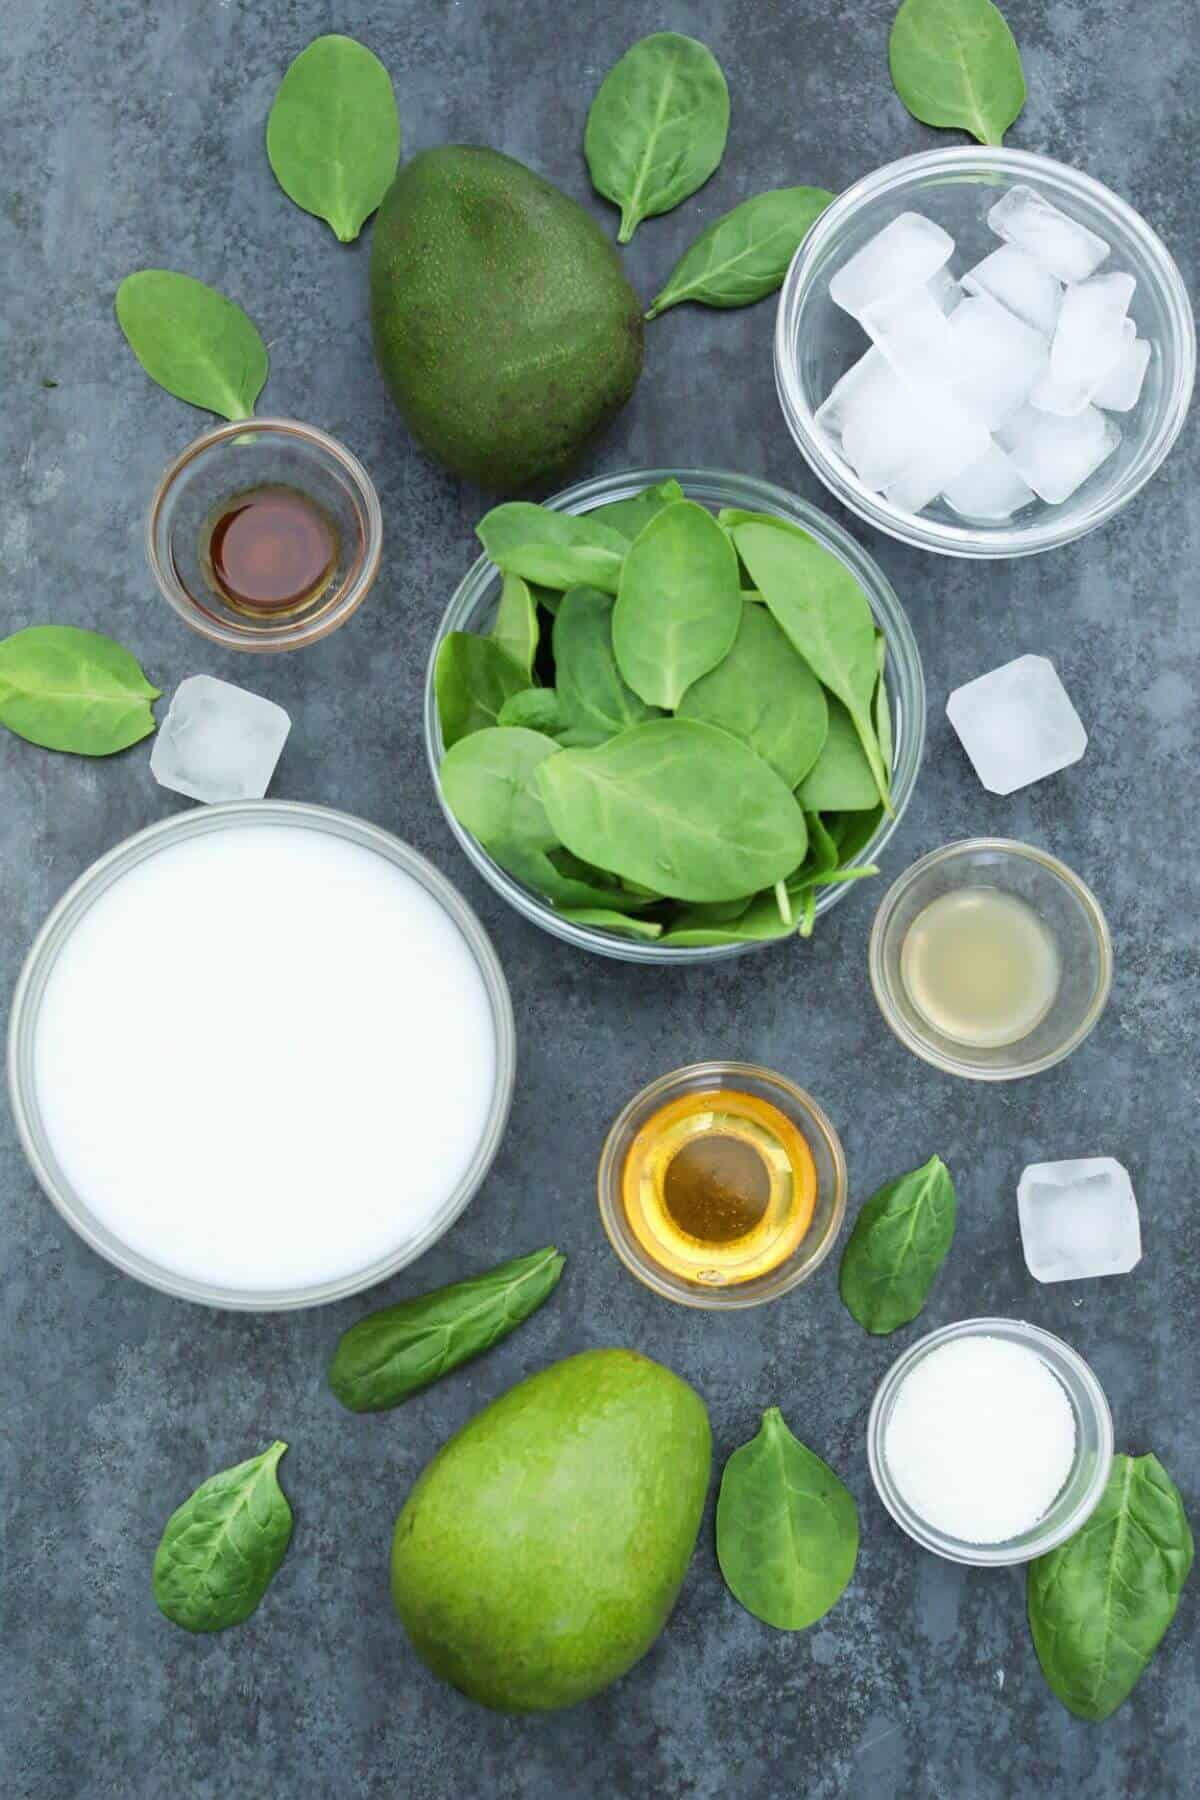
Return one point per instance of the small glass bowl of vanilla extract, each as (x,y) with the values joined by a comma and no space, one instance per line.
(722,1185)
(265,534)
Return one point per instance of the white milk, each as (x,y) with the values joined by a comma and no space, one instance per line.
(265,1057)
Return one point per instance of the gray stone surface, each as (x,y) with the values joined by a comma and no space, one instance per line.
(131,135)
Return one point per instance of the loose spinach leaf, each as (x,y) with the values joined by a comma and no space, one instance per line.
(537,709)
(516,626)
(841,779)
(333,133)
(745,255)
(221,1548)
(629,516)
(678,603)
(472,679)
(401,1349)
(823,610)
(193,341)
(956,63)
(766,695)
(1100,1604)
(787,1529)
(488,784)
(596,701)
(68,689)
(657,127)
(900,1240)
(678,806)
(601,919)
(554,549)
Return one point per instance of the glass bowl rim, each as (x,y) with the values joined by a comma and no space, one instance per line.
(1036,1337)
(283,637)
(904,660)
(61,920)
(962,1065)
(931,534)
(778,1281)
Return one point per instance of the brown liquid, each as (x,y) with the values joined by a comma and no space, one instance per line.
(271,551)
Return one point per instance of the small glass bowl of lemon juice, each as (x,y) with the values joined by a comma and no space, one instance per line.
(991,959)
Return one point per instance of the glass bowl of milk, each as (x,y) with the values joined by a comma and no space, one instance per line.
(261,1055)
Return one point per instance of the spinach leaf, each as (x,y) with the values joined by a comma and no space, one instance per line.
(596,701)
(554,549)
(68,689)
(759,922)
(679,806)
(881,712)
(956,63)
(628,516)
(401,1349)
(472,679)
(333,133)
(823,610)
(657,127)
(562,879)
(601,919)
(841,779)
(488,784)
(537,709)
(787,1529)
(193,341)
(516,626)
(745,255)
(853,831)
(1100,1604)
(900,1240)
(678,603)
(766,695)
(221,1548)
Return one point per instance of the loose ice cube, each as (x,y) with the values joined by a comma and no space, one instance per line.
(1013,278)
(1061,244)
(1078,1219)
(905,254)
(1088,341)
(945,290)
(995,359)
(1122,386)
(1056,455)
(990,489)
(218,742)
(1017,724)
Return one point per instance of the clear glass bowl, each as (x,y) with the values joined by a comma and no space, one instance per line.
(228,461)
(1093,1446)
(67,914)
(816,342)
(473,609)
(828,1157)
(1067,907)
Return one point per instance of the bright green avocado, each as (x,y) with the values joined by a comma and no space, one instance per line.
(540,1553)
(503,323)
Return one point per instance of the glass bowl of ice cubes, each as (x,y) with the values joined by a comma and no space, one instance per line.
(983,352)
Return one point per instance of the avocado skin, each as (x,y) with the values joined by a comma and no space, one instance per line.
(541,1551)
(503,324)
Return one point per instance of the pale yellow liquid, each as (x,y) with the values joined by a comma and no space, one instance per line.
(980,967)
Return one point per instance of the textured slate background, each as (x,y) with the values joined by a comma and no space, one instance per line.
(132,135)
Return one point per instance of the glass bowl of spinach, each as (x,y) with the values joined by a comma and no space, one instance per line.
(722,731)
(816,342)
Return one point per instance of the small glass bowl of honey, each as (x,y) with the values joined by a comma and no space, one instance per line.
(264,534)
(722,1185)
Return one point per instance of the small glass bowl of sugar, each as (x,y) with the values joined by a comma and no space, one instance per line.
(990,1442)
(983,352)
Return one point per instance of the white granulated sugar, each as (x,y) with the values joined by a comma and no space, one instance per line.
(981,1439)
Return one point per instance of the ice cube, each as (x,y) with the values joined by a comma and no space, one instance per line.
(1088,341)
(1056,455)
(1078,1219)
(869,375)
(916,485)
(925,427)
(945,290)
(990,489)
(913,333)
(1122,386)
(905,254)
(995,360)
(1017,724)
(218,742)
(1012,277)
(1061,244)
